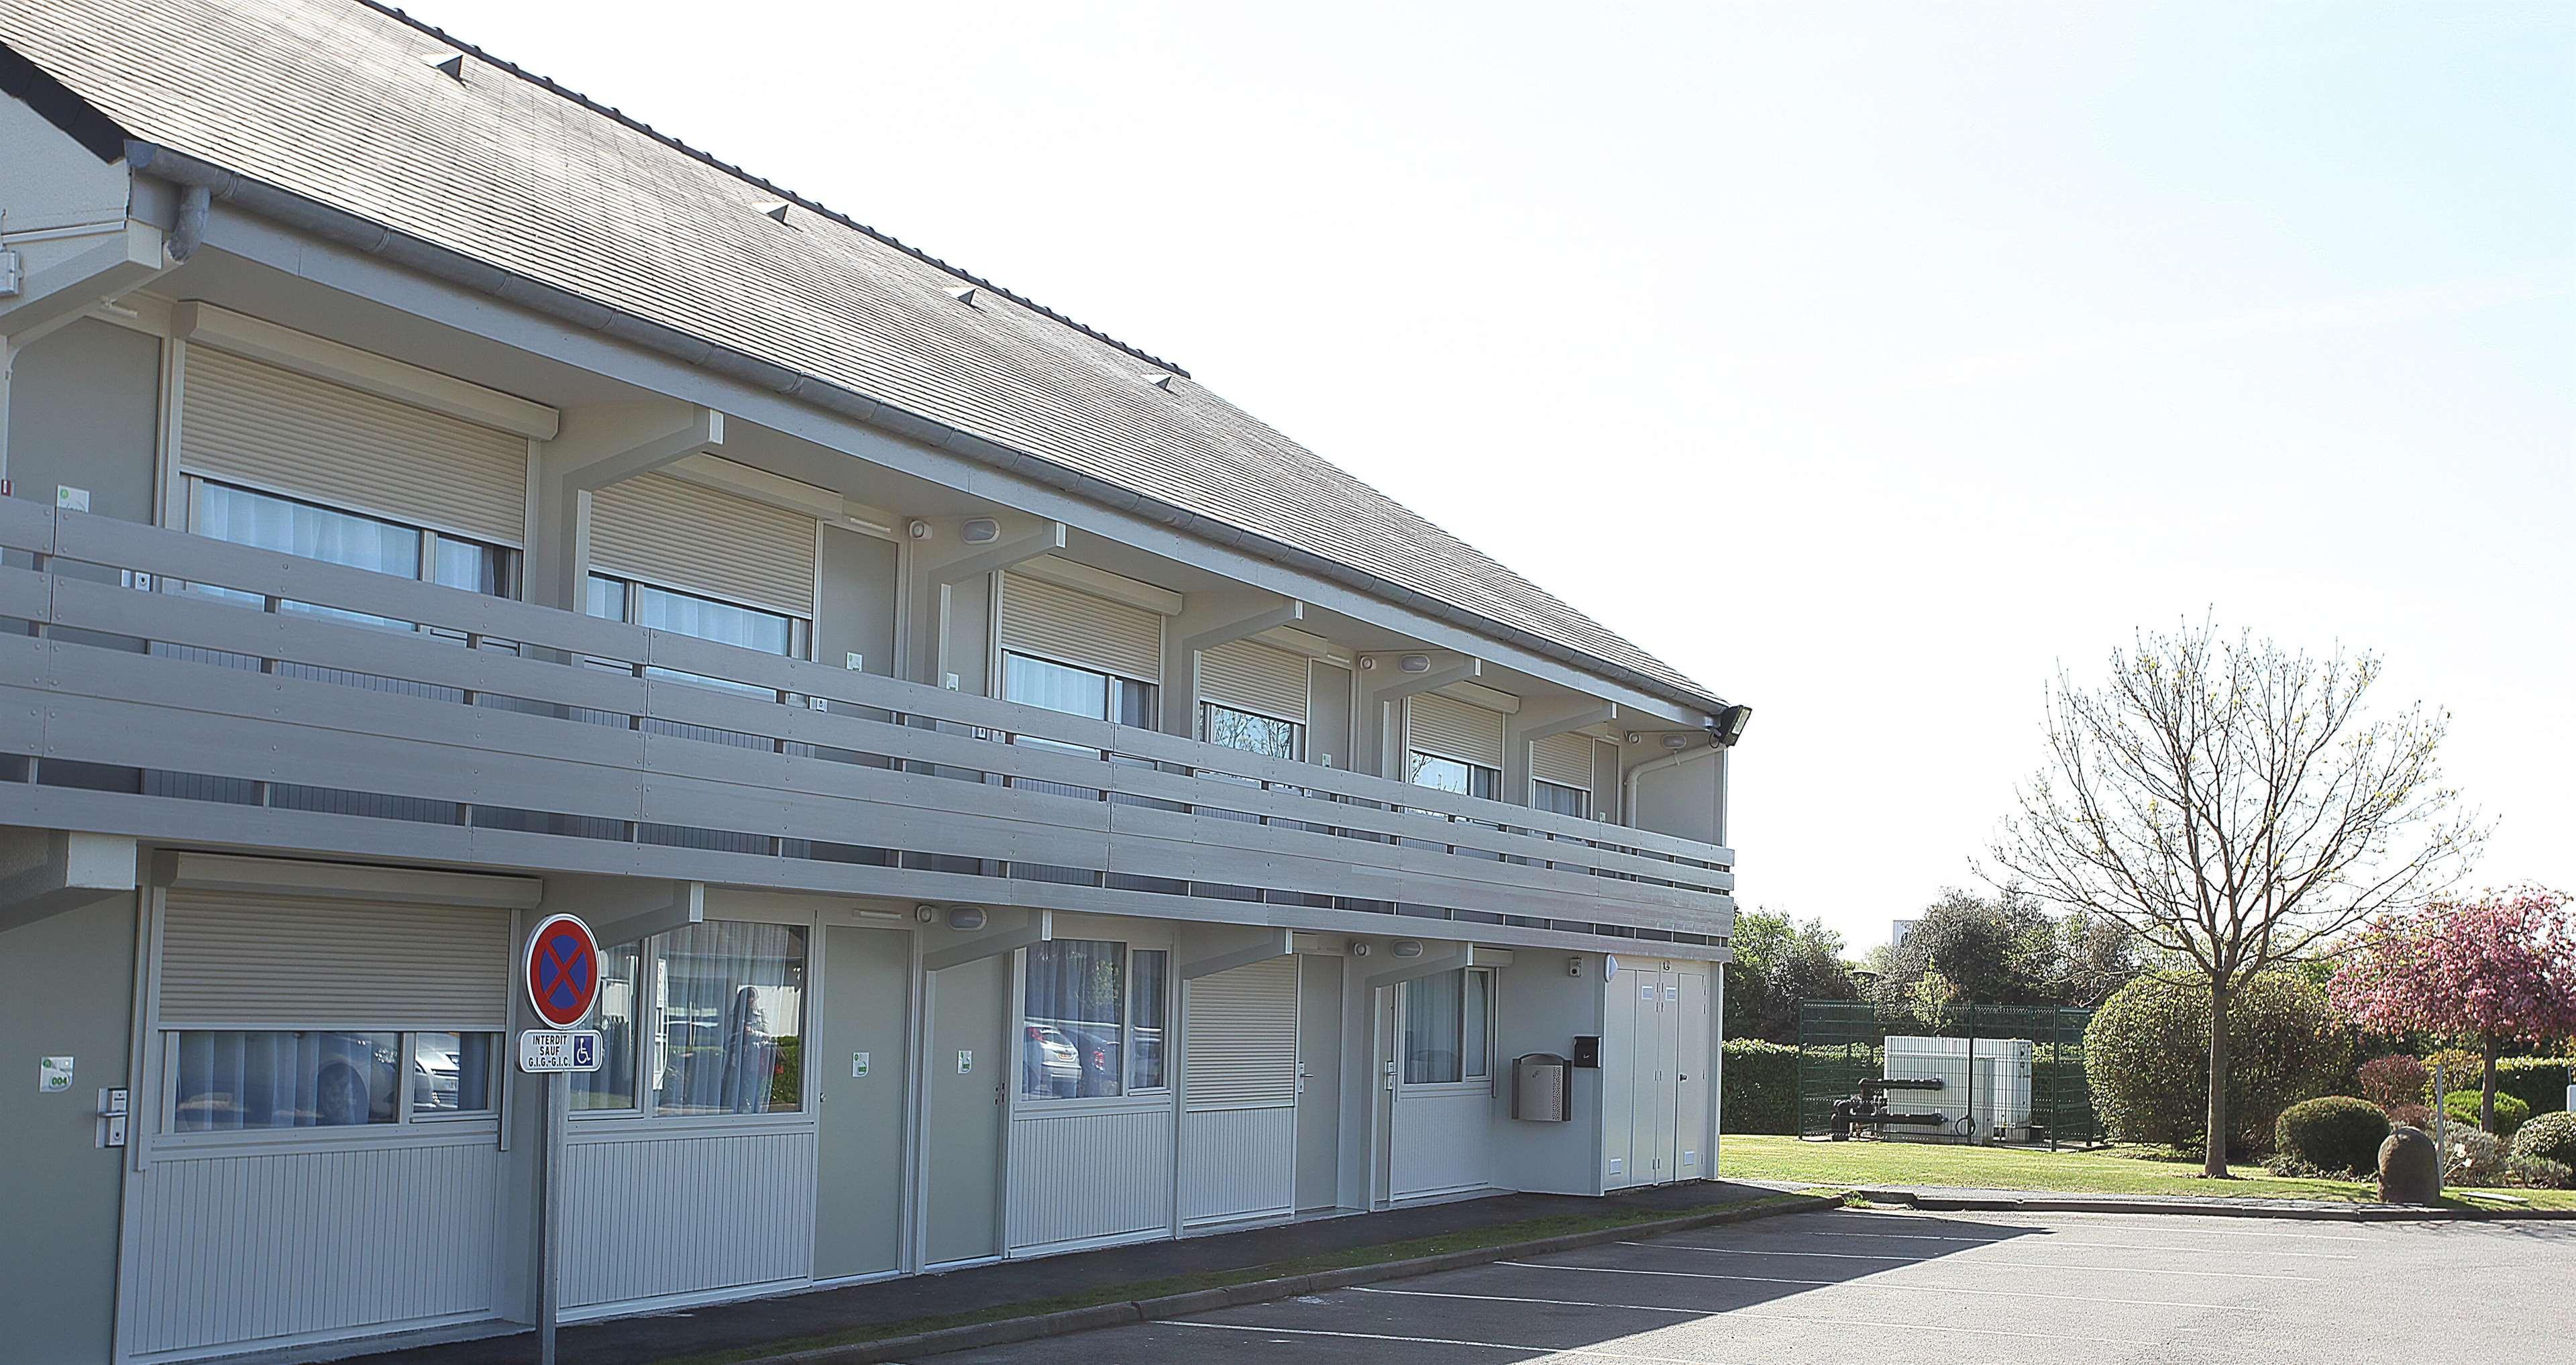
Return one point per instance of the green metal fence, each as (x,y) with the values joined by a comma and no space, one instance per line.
(1842,1042)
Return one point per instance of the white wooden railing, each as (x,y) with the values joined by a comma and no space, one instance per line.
(321,702)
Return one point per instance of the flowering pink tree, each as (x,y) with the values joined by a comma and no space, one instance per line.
(2498,968)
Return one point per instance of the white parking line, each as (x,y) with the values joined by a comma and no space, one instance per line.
(1885,1284)
(1549,1351)
(1804,1318)
(1938,1260)
(2054,1242)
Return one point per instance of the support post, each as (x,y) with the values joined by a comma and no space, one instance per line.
(947,576)
(550,1217)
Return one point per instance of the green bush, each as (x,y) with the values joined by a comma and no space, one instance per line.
(2465,1106)
(2550,1137)
(2539,1173)
(2147,1057)
(2332,1133)
(2459,1068)
(1759,1087)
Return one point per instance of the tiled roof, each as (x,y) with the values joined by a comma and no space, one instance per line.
(333,101)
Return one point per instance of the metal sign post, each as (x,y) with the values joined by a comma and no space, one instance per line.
(561,968)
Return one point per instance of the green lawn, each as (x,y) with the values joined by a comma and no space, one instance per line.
(2116,1170)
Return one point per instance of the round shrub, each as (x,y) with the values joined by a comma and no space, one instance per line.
(2539,1173)
(2473,1158)
(2549,1137)
(2146,1054)
(2332,1133)
(2464,1106)
(2391,1081)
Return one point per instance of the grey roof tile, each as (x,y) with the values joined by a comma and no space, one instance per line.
(332,100)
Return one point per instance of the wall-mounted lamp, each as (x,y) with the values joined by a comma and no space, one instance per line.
(1730,725)
(1415,663)
(1408,947)
(965,918)
(981,531)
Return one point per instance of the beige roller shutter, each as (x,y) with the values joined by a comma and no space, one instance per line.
(1243,1036)
(1078,628)
(235,961)
(1563,759)
(1454,729)
(696,539)
(242,421)
(1255,677)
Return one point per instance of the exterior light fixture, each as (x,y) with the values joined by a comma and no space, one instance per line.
(965,917)
(981,531)
(1408,947)
(1415,663)
(1729,726)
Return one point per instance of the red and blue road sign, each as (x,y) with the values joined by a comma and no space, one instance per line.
(562,971)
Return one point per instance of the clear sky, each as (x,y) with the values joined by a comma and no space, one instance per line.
(1865,361)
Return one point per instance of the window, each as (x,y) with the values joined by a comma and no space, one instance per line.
(1448,1027)
(680,613)
(238,1080)
(1450,775)
(704,1020)
(1253,734)
(1562,799)
(311,531)
(1091,1027)
(1077,691)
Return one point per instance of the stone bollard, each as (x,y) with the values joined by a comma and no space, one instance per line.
(2410,1171)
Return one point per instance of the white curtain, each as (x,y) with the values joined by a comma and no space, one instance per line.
(1431,1038)
(731,995)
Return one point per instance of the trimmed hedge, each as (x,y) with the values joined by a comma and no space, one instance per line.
(1759,1087)
(2332,1133)
(2540,1082)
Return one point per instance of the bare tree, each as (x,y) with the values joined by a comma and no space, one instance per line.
(2230,803)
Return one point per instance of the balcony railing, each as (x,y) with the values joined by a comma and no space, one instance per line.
(186,689)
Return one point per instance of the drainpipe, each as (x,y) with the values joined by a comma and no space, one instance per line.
(1628,797)
(190,229)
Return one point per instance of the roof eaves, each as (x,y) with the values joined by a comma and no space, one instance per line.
(552,87)
(59,105)
(302,212)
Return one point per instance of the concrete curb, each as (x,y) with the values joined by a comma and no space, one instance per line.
(1073,1320)
(2359,1213)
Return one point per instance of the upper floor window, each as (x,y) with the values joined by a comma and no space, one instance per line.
(1091,1020)
(1267,736)
(1032,681)
(1451,775)
(1560,798)
(307,530)
(770,632)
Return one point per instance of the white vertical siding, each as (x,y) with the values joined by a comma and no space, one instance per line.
(685,1212)
(1443,1142)
(1238,1163)
(1090,1175)
(236,1250)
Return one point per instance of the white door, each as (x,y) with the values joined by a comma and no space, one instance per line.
(1658,1057)
(1690,1091)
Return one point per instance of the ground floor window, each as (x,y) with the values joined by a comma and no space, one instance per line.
(709,1019)
(1092,1020)
(235,1080)
(1448,1027)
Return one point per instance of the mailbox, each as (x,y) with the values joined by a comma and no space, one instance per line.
(1540,1090)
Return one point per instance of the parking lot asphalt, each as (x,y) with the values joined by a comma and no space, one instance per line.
(1870,1287)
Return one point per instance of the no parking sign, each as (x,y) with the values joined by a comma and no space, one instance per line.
(562,971)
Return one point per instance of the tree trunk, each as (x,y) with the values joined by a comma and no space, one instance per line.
(2486,1101)
(2214,1148)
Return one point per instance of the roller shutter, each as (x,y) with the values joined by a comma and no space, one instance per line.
(1454,729)
(1254,677)
(245,422)
(1243,1036)
(681,535)
(1563,759)
(235,961)
(1080,629)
